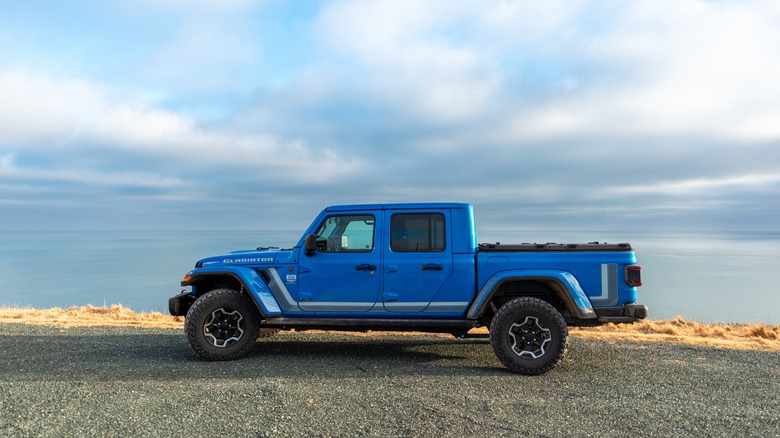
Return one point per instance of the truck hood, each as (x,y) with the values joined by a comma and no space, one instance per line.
(253,257)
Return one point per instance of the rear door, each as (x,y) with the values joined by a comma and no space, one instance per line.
(417,260)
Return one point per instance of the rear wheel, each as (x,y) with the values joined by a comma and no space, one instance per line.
(529,336)
(222,325)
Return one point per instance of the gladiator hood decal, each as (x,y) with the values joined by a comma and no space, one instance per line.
(251,257)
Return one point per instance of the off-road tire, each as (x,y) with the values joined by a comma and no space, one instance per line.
(529,336)
(222,324)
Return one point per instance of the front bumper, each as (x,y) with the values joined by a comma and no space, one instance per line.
(178,305)
(627,313)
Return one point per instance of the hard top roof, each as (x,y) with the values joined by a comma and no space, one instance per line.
(405,206)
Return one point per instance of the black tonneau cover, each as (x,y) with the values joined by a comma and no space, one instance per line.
(555,247)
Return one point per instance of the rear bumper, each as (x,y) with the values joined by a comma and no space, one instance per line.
(627,313)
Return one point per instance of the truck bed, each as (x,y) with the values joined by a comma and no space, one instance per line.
(555,247)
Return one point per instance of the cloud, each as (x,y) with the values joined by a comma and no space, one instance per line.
(408,57)
(706,70)
(64,116)
(8,170)
(79,148)
(562,70)
(706,186)
(535,108)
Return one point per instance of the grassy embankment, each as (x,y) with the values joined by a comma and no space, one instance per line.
(739,336)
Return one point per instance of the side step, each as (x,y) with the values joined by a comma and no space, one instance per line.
(365,324)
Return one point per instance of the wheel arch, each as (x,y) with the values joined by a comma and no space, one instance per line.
(245,280)
(205,283)
(559,288)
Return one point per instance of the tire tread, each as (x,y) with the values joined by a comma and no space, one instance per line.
(192,328)
(496,339)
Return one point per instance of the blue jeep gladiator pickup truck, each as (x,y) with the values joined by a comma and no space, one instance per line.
(410,267)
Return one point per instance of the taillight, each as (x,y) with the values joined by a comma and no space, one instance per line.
(633,275)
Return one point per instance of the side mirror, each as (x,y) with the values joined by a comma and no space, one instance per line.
(310,244)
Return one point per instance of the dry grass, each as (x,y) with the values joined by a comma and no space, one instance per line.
(116,315)
(739,336)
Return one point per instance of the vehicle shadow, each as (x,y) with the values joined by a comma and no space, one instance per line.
(133,354)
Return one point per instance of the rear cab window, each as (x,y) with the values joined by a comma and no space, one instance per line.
(417,232)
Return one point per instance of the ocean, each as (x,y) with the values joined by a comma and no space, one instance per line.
(707,277)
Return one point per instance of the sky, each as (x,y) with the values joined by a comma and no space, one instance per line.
(240,114)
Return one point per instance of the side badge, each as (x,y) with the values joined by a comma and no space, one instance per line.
(291,279)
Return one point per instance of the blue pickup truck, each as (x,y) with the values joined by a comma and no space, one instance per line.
(410,267)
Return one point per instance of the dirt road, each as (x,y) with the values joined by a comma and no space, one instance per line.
(146,382)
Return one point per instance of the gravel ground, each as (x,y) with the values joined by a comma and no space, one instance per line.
(143,382)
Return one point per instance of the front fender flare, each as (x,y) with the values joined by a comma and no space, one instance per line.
(569,290)
(251,280)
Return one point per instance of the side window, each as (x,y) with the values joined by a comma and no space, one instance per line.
(417,232)
(353,233)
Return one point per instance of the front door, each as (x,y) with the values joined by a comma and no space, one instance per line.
(343,274)
(418,260)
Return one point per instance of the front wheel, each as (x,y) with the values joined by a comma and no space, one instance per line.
(529,336)
(222,325)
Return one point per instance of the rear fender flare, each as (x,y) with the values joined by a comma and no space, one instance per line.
(569,290)
(252,282)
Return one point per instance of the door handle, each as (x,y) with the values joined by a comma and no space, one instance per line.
(365,267)
(432,267)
